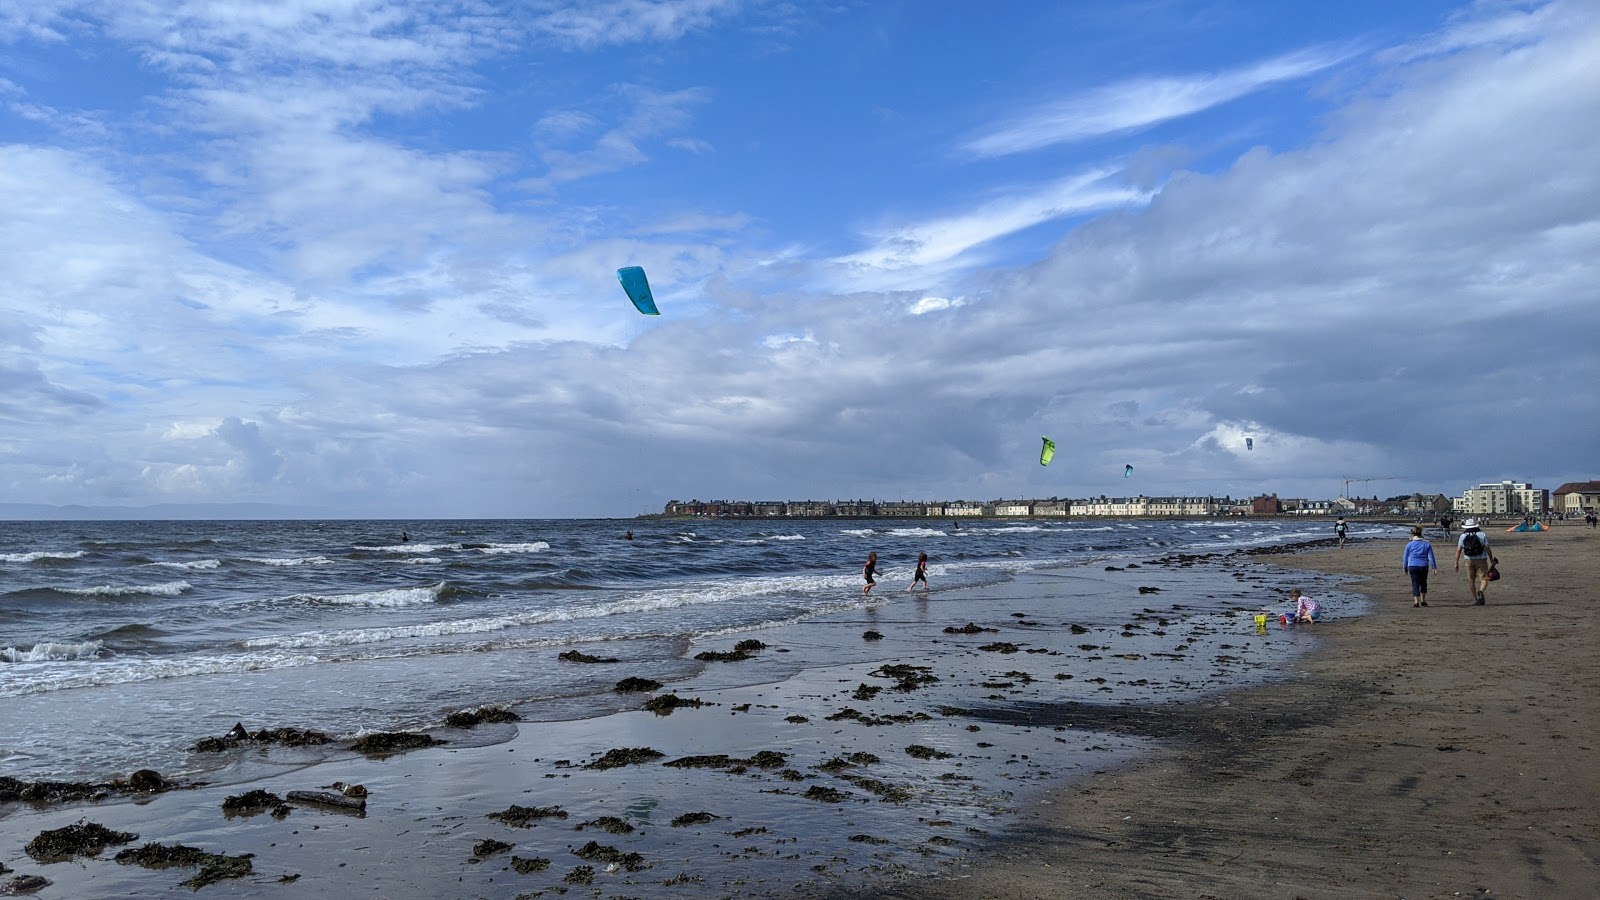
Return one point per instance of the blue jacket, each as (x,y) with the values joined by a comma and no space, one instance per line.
(1418,552)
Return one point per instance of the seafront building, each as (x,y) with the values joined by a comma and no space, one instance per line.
(1504,498)
(1576,498)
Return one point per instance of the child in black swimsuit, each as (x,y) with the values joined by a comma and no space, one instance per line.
(921,574)
(867,572)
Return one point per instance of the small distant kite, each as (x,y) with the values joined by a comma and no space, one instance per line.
(638,288)
(1047,452)
(1127,471)
(1249,443)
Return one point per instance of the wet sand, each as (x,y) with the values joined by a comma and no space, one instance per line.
(1451,751)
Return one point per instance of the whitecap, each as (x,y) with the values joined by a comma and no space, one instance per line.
(34,555)
(165,589)
(290,560)
(189,566)
(497,549)
(390,597)
(52,650)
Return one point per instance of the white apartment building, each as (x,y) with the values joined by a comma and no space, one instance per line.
(1505,498)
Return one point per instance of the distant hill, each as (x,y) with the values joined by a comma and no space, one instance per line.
(159,511)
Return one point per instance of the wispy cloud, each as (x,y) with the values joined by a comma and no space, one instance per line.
(650,114)
(590,25)
(938,241)
(1143,102)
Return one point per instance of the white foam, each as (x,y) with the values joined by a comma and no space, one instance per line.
(498,549)
(1011,529)
(409,547)
(788,537)
(423,561)
(390,597)
(290,560)
(165,589)
(124,670)
(33,555)
(52,650)
(189,566)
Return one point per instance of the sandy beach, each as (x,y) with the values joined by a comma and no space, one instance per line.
(1441,752)
(980,743)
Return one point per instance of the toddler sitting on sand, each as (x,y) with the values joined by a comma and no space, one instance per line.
(1305,608)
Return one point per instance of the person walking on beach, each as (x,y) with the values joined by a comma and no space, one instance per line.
(867,572)
(921,574)
(1474,545)
(1340,529)
(1416,559)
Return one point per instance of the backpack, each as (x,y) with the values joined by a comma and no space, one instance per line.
(1471,544)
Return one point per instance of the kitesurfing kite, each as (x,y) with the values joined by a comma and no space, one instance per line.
(1127,471)
(1047,452)
(1249,443)
(638,288)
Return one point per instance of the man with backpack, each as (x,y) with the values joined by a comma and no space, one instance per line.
(1474,545)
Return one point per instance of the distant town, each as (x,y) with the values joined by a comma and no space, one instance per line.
(1503,498)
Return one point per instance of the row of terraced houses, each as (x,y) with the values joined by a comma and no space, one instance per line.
(1093,506)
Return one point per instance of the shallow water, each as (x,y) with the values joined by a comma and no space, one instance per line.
(123,643)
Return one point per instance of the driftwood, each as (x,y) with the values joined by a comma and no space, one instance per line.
(328,798)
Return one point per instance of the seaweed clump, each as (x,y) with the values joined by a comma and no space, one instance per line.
(666,703)
(468,718)
(597,852)
(382,742)
(632,685)
(578,656)
(969,628)
(907,677)
(525,816)
(608,824)
(618,757)
(487,848)
(528,865)
(49,791)
(81,839)
(213,867)
(694,818)
(238,736)
(917,751)
(741,651)
(1000,647)
(248,804)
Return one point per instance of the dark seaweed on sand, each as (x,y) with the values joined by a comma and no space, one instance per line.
(608,824)
(467,718)
(917,751)
(625,756)
(907,677)
(580,875)
(213,867)
(284,737)
(666,703)
(888,792)
(694,818)
(741,651)
(49,791)
(1000,647)
(765,759)
(871,636)
(597,852)
(487,848)
(525,816)
(969,628)
(578,656)
(631,684)
(866,691)
(382,742)
(527,866)
(825,794)
(251,803)
(81,839)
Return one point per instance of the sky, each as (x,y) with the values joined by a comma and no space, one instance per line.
(359,256)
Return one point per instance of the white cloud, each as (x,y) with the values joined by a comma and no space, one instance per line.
(1144,102)
(595,24)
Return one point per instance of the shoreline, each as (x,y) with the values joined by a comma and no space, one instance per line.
(882,773)
(1440,752)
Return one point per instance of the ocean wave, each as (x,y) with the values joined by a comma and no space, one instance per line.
(500,549)
(52,650)
(165,589)
(391,597)
(36,555)
(408,547)
(125,670)
(423,561)
(1013,529)
(189,566)
(289,560)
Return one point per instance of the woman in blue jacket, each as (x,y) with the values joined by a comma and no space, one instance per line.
(1417,560)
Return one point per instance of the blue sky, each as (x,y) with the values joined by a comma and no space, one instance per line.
(359,255)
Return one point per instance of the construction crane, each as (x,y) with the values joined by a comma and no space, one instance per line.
(1348,480)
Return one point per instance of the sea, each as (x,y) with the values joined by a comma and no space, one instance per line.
(122,643)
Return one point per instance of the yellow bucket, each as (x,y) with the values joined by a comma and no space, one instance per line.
(1261,621)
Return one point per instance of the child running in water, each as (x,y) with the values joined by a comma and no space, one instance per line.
(867,572)
(921,574)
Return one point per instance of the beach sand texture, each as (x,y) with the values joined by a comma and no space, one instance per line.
(1449,751)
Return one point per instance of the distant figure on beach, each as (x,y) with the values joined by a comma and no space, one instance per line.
(1444,522)
(867,572)
(628,536)
(1306,609)
(1340,529)
(1416,560)
(1474,545)
(921,574)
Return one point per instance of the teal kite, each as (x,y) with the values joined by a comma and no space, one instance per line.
(638,288)
(1127,471)
(1047,452)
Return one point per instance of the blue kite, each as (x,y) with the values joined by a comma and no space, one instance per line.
(638,288)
